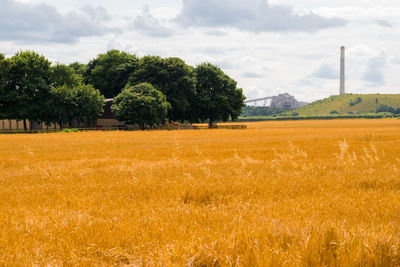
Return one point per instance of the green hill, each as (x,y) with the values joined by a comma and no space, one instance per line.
(348,104)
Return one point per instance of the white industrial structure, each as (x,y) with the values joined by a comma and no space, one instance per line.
(342,71)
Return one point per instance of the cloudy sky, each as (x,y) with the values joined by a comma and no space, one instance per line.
(268,46)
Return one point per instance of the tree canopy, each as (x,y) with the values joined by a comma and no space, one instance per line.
(79,68)
(217,96)
(4,71)
(89,102)
(28,86)
(141,104)
(61,106)
(173,78)
(146,90)
(81,103)
(70,100)
(110,72)
(65,75)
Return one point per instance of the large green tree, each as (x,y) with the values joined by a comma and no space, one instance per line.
(70,100)
(4,72)
(79,68)
(173,78)
(89,102)
(28,88)
(110,72)
(217,96)
(81,103)
(64,75)
(61,106)
(141,104)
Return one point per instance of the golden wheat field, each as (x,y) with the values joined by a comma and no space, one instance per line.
(313,193)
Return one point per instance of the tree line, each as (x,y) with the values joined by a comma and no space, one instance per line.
(260,111)
(386,108)
(146,91)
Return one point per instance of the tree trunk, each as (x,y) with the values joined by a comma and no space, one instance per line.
(25,125)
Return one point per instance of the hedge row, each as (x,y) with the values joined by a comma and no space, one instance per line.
(318,117)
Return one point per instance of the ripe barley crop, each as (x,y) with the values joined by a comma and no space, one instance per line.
(313,193)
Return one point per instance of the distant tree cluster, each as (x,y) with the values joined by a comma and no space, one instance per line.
(257,111)
(386,108)
(142,104)
(146,91)
(355,101)
(33,89)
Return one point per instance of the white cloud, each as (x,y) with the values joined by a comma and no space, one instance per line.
(147,24)
(43,23)
(374,13)
(249,74)
(374,71)
(383,23)
(251,15)
(326,71)
(97,14)
(396,60)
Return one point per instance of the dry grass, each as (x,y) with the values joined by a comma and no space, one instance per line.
(315,193)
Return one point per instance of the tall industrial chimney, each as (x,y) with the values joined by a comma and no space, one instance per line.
(342,70)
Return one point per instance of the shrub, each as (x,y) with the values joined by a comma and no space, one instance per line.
(355,101)
(141,104)
(385,108)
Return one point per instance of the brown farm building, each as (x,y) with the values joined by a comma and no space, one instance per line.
(107,119)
